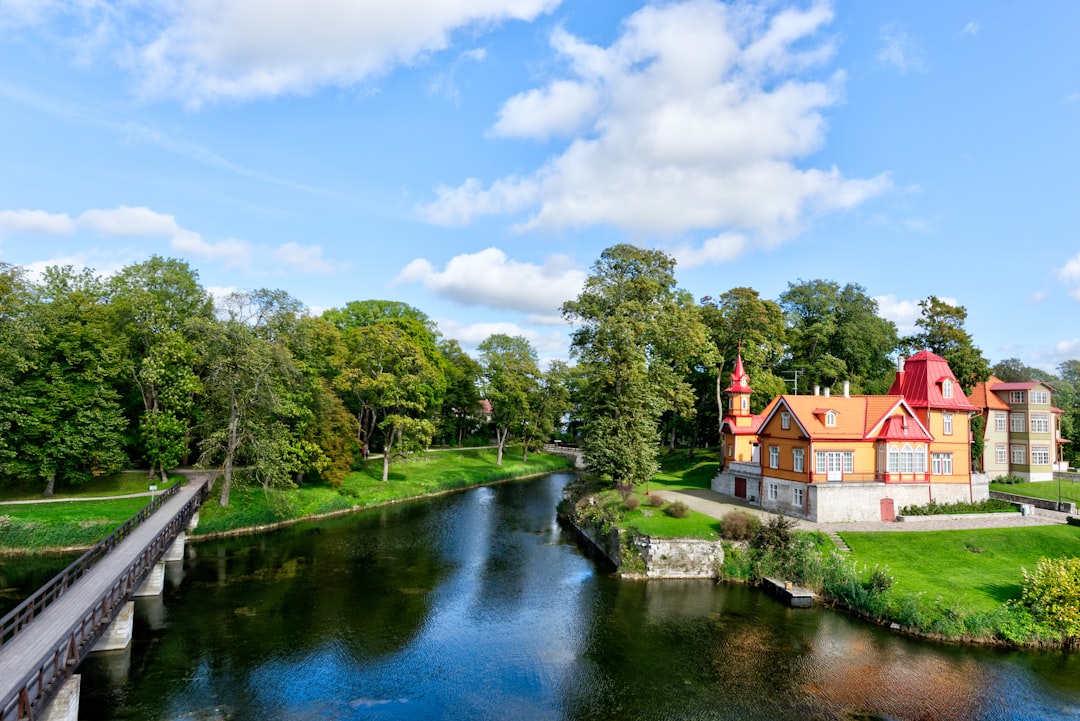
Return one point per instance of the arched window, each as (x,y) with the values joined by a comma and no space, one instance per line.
(946,388)
(894,459)
(907,459)
(920,459)
(830,418)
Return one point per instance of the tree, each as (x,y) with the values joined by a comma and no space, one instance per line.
(634,336)
(457,416)
(551,403)
(388,378)
(941,331)
(510,379)
(62,412)
(836,334)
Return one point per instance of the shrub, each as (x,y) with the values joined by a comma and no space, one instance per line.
(774,535)
(739,525)
(678,509)
(1008,480)
(632,503)
(990,505)
(656,501)
(1052,593)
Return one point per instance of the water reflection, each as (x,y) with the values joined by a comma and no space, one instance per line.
(477,606)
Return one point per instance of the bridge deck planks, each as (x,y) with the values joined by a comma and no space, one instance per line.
(49,629)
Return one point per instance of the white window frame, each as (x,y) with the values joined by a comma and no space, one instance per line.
(920,459)
(894,459)
(772,490)
(946,388)
(830,419)
(1040,398)
(797,457)
(1040,455)
(849,461)
(785,421)
(907,459)
(1016,396)
(774,456)
(946,421)
(1040,422)
(1018,454)
(1001,454)
(797,497)
(1001,422)
(1017,423)
(941,464)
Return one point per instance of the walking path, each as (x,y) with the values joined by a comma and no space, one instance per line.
(192,474)
(716,505)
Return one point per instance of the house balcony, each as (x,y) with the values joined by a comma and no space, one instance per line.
(875,477)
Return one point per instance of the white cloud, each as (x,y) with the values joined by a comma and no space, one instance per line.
(1050,358)
(127,222)
(243,49)
(722,248)
(470,336)
(232,253)
(489,278)
(307,258)
(1073,97)
(688,122)
(36,221)
(972,28)
(445,84)
(899,50)
(902,312)
(1070,275)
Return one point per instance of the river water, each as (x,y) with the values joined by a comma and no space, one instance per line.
(479,606)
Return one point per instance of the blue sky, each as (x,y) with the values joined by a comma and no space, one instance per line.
(474,157)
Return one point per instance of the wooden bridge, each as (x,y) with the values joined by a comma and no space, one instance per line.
(45,638)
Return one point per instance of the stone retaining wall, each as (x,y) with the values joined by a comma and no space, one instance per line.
(662,557)
(948,517)
(1066,507)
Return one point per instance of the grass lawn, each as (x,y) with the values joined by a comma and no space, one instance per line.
(975,570)
(678,471)
(1048,490)
(655,522)
(116,484)
(53,525)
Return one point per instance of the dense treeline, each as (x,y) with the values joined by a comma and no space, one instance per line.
(144,369)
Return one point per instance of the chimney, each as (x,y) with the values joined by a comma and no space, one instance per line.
(827,389)
(847,389)
(817,390)
(900,364)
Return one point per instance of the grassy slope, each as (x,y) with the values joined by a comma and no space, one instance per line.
(55,525)
(116,484)
(1070,490)
(973,570)
(677,472)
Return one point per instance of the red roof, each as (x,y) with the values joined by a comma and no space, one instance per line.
(740,382)
(1019,386)
(983,398)
(901,428)
(921,380)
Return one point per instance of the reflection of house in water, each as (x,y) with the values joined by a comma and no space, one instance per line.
(830,457)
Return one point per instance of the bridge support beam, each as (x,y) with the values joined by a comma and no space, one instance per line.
(118,635)
(194,522)
(65,705)
(175,552)
(154,583)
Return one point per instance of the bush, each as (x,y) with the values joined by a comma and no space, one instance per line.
(656,501)
(990,505)
(1052,593)
(1008,480)
(739,526)
(678,509)
(632,503)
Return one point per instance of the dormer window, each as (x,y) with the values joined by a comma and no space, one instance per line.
(946,388)
(830,418)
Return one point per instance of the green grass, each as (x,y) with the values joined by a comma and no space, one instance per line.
(1048,490)
(421,476)
(678,471)
(654,522)
(42,526)
(116,484)
(972,570)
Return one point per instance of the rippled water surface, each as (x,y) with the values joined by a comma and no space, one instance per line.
(478,606)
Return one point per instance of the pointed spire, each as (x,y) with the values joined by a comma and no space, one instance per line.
(740,381)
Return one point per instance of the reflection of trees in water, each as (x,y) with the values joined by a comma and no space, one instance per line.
(20,576)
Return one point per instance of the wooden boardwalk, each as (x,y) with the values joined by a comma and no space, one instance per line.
(42,642)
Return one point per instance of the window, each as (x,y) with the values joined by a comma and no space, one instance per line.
(1001,454)
(821,462)
(849,461)
(830,418)
(773,487)
(1016,422)
(1017,455)
(946,418)
(1016,396)
(774,456)
(1040,423)
(731,451)
(1041,398)
(907,460)
(745,403)
(894,459)
(920,459)
(835,463)
(797,496)
(946,388)
(999,422)
(797,459)
(1040,455)
(941,464)
(785,420)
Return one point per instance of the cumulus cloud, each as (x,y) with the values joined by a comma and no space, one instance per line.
(243,49)
(902,312)
(691,121)
(972,28)
(129,222)
(1053,356)
(490,278)
(1070,275)
(472,335)
(308,258)
(899,50)
(36,221)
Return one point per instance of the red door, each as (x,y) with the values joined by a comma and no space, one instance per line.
(740,487)
(888,510)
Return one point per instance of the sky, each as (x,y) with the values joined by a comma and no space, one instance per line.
(473,158)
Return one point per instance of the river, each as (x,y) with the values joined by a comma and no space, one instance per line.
(479,606)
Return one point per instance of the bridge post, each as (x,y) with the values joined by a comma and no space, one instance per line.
(118,635)
(175,552)
(154,583)
(194,522)
(65,705)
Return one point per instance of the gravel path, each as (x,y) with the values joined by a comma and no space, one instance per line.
(716,505)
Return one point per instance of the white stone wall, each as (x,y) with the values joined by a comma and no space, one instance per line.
(679,557)
(852,502)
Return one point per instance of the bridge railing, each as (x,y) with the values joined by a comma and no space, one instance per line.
(25,612)
(58,663)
